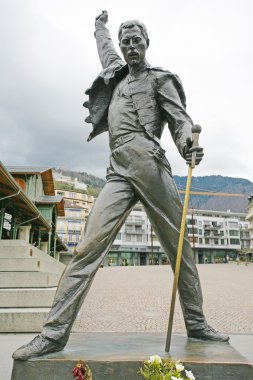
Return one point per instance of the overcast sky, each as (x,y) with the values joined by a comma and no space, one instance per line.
(48,59)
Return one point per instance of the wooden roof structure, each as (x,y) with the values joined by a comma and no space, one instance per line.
(10,189)
(45,172)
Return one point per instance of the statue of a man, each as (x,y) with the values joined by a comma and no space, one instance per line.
(133,101)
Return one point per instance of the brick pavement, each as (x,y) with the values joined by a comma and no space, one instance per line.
(138,299)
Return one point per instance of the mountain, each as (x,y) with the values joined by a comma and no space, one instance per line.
(213,183)
(219,184)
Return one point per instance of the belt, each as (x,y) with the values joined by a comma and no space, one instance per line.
(122,140)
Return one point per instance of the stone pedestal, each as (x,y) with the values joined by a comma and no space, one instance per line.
(118,356)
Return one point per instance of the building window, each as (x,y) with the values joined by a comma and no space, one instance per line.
(191,221)
(233,224)
(200,240)
(118,237)
(207,241)
(112,259)
(72,195)
(235,241)
(216,241)
(233,232)
(192,230)
(128,237)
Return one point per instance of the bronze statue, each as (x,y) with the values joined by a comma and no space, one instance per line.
(133,102)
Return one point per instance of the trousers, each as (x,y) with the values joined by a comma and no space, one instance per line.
(139,171)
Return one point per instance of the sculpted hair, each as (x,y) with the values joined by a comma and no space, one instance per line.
(131,24)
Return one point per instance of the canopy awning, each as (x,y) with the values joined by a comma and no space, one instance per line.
(14,198)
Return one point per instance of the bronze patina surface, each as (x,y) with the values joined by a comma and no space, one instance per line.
(133,101)
(118,356)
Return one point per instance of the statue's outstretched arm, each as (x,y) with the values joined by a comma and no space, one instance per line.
(106,50)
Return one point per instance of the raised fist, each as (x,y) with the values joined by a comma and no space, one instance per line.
(103,17)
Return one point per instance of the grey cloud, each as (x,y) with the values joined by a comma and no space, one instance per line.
(48,59)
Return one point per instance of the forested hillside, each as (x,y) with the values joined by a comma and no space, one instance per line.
(219,184)
(213,183)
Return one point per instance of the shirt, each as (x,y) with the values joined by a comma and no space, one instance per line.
(122,117)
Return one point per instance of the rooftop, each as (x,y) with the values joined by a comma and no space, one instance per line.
(45,172)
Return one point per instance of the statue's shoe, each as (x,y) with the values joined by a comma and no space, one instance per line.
(37,347)
(208,333)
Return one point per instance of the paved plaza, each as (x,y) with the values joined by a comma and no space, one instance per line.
(138,299)
(135,299)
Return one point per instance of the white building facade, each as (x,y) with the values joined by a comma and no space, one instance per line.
(70,227)
(215,237)
(250,220)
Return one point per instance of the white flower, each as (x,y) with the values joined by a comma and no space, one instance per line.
(179,367)
(155,359)
(189,375)
(176,378)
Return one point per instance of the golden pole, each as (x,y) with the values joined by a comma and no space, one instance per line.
(196,129)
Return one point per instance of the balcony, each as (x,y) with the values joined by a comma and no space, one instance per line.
(212,227)
(133,231)
(131,222)
(213,235)
(79,216)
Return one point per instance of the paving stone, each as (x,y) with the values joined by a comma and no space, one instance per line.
(137,299)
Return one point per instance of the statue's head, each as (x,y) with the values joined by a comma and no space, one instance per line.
(133,41)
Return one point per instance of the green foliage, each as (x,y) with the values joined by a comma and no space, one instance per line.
(59,185)
(162,369)
(93,191)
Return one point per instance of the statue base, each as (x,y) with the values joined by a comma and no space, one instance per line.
(118,356)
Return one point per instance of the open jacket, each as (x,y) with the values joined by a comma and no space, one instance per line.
(160,101)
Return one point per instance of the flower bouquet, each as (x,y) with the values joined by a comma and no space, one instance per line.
(82,371)
(157,368)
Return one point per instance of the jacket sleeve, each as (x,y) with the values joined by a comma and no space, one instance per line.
(171,99)
(106,51)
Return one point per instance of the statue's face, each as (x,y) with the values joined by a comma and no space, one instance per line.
(133,45)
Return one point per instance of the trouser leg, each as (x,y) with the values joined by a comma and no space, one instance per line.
(106,218)
(166,223)
(158,193)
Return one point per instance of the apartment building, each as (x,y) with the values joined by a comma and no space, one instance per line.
(250,220)
(215,237)
(77,208)
(136,243)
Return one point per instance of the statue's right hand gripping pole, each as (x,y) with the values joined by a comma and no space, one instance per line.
(196,129)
